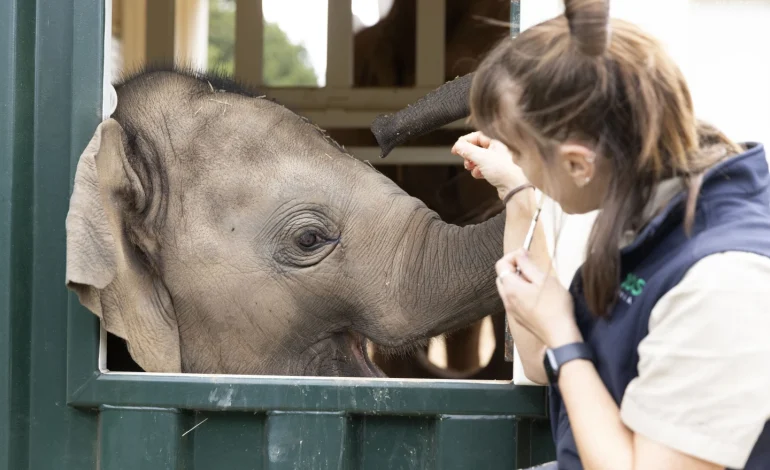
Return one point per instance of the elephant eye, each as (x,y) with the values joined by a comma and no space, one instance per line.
(306,238)
(309,239)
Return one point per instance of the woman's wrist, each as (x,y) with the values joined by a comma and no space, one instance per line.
(565,333)
(508,197)
(522,195)
(506,187)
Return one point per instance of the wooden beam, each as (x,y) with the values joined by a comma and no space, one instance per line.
(343,119)
(407,156)
(160,31)
(362,99)
(339,44)
(249,41)
(430,51)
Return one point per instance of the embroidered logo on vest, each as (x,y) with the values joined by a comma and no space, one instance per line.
(631,288)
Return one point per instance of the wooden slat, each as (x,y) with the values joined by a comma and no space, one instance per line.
(361,99)
(343,119)
(407,156)
(430,42)
(339,44)
(191,36)
(133,33)
(249,41)
(160,31)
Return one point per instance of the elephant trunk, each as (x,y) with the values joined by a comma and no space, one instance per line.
(446,279)
(446,273)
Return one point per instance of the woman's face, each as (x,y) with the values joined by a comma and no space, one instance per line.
(574,177)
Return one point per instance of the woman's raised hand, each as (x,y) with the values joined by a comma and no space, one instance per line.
(489,159)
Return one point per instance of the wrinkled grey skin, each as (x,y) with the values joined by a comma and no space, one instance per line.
(222,233)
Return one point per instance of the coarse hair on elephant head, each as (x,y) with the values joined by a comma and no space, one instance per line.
(217,231)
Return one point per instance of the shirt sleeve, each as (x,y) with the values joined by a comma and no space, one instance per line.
(704,368)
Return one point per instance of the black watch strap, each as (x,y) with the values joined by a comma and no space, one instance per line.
(555,358)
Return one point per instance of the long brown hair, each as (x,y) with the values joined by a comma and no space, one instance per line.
(583,75)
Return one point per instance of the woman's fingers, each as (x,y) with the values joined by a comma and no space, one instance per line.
(467,150)
(505,264)
(528,269)
(514,292)
(477,138)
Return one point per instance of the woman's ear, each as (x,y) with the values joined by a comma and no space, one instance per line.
(580,163)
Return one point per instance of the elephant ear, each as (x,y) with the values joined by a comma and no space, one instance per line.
(104,267)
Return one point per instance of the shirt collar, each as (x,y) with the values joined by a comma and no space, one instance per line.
(663,193)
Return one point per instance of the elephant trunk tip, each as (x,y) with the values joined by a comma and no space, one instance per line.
(446,104)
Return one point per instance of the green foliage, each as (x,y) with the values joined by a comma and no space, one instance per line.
(284,63)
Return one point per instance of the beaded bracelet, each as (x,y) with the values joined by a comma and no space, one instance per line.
(515,190)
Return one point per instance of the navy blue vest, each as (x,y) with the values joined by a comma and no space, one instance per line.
(733,214)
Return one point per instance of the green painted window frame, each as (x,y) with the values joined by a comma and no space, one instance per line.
(87,386)
(58,410)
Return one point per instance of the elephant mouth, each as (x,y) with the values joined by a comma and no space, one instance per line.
(361,355)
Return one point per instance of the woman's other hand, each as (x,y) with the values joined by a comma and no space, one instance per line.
(489,159)
(536,300)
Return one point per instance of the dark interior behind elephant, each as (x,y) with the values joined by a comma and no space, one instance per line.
(384,56)
(218,232)
(384,53)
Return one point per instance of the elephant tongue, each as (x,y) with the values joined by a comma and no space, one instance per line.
(362,356)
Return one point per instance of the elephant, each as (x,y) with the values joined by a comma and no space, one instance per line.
(216,231)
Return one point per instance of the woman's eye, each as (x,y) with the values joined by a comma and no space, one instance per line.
(309,239)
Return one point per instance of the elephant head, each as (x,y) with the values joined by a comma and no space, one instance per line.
(218,232)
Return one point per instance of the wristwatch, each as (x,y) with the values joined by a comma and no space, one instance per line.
(557,357)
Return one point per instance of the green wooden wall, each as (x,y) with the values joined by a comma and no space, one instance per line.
(58,412)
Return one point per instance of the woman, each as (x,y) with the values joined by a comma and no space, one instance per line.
(658,356)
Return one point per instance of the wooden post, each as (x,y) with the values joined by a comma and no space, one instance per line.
(160,31)
(339,44)
(249,41)
(192,31)
(133,33)
(431,18)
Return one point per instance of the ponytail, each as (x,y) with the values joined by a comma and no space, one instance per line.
(589,23)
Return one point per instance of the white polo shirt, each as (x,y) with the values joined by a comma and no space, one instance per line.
(704,368)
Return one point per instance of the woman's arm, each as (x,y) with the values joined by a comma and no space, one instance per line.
(603,441)
(518,216)
(698,402)
(492,161)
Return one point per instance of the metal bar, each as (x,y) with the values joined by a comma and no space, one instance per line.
(91,65)
(249,41)
(17,65)
(67,106)
(160,31)
(431,18)
(339,44)
(515,29)
(264,393)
